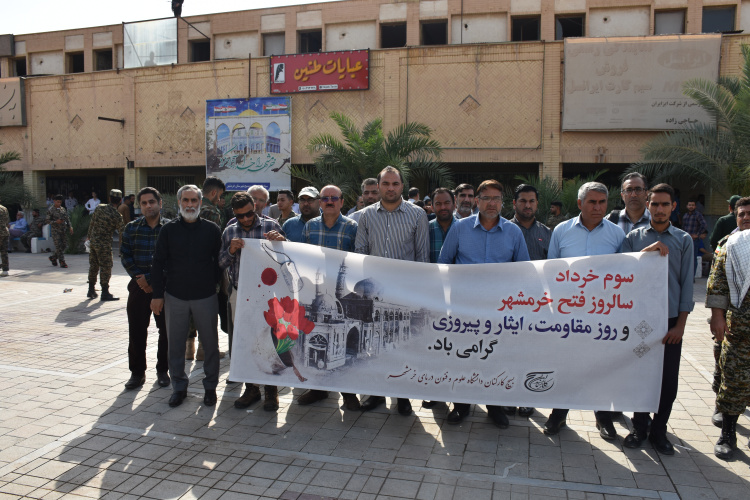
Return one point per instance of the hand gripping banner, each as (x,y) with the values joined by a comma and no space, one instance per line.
(579,333)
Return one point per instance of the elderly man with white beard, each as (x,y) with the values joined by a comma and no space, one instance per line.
(184,276)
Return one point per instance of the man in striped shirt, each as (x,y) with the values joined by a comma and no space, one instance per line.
(395,229)
(248,224)
(137,253)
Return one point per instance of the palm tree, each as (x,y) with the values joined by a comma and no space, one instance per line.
(365,152)
(12,189)
(716,155)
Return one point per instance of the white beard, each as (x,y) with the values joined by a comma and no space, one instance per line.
(189,216)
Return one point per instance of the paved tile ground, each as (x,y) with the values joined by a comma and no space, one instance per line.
(68,429)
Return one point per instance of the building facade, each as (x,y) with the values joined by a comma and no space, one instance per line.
(486,76)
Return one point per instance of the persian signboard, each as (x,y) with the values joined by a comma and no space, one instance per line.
(248,141)
(322,71)
(635,83)
(566,333)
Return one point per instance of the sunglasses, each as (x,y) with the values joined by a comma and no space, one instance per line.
(245,215)
(326,199)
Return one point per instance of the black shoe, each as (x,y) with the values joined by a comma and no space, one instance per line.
(634,439)
(429,404)
(209,399)
(553,424)
(498,416)
(311,396)
(727,442)
(606,428)
(509,410)
(92,293)
(53,260)
(163,379)
(404,406)
(457,415)
(177,397)
(717,418)
(135,381)
(106,296)
(525,411)
(372,402)
(661,444)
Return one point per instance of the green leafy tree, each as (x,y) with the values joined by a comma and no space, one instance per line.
(365,152)
(79,219)
(715,155)
(12,189)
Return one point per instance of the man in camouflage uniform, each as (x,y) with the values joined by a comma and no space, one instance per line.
(57,218)
(213,189)
(35,230)
(555,215)
(742,223)
(4,235)
(730,323)
(104,222)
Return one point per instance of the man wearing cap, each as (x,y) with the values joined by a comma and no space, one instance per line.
(309,208)
(726,224)
(104,222)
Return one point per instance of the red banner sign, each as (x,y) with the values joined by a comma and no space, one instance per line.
(323,71)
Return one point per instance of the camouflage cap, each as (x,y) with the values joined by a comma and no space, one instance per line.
(116,193)
(308,191)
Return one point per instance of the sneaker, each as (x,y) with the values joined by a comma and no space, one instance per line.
(4,273)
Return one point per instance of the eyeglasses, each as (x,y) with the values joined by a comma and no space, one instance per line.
(637,190)
(244,215)
(259,200)
(497,199)
(326,199)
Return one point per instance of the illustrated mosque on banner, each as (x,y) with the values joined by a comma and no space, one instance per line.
(355,325)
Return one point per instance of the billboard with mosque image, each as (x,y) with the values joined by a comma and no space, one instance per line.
(248,141)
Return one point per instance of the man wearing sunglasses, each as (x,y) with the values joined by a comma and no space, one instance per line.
(309,208)
(330,230)
(248,224)
(634,193)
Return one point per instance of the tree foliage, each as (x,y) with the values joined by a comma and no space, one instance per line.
(716,155)
(12,189)
(365,152)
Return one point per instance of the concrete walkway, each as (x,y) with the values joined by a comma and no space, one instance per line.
(68,428)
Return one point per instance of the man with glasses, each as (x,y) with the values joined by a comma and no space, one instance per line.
(634,193)
(464,200)
(370,195)
(330,230)
(309,208)
(481,239)
(260,198)
(248,224)
(394,229)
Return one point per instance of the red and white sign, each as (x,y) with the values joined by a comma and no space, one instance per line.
(324,71)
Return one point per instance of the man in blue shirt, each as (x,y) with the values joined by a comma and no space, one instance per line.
(478,239)
(677,245)
(309,207)
(587,234)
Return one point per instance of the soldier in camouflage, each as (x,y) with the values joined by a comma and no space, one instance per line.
(213,189)
(35,230)
(57,218)
(4,235)
(104,222)
(730,323)
(743,223)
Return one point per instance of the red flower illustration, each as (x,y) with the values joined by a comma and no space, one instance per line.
(286,317)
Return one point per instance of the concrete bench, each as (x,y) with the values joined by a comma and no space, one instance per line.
(44,243)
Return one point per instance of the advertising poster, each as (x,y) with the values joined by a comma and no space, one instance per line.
(324,71)
(249,141)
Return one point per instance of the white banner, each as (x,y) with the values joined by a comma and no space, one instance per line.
(568,333)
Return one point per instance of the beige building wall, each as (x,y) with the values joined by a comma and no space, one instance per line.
(488,103)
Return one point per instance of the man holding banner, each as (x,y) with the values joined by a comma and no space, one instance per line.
(248,225)
(330,230)
(479,239)
(677,245)
(586,235)
(394,229)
